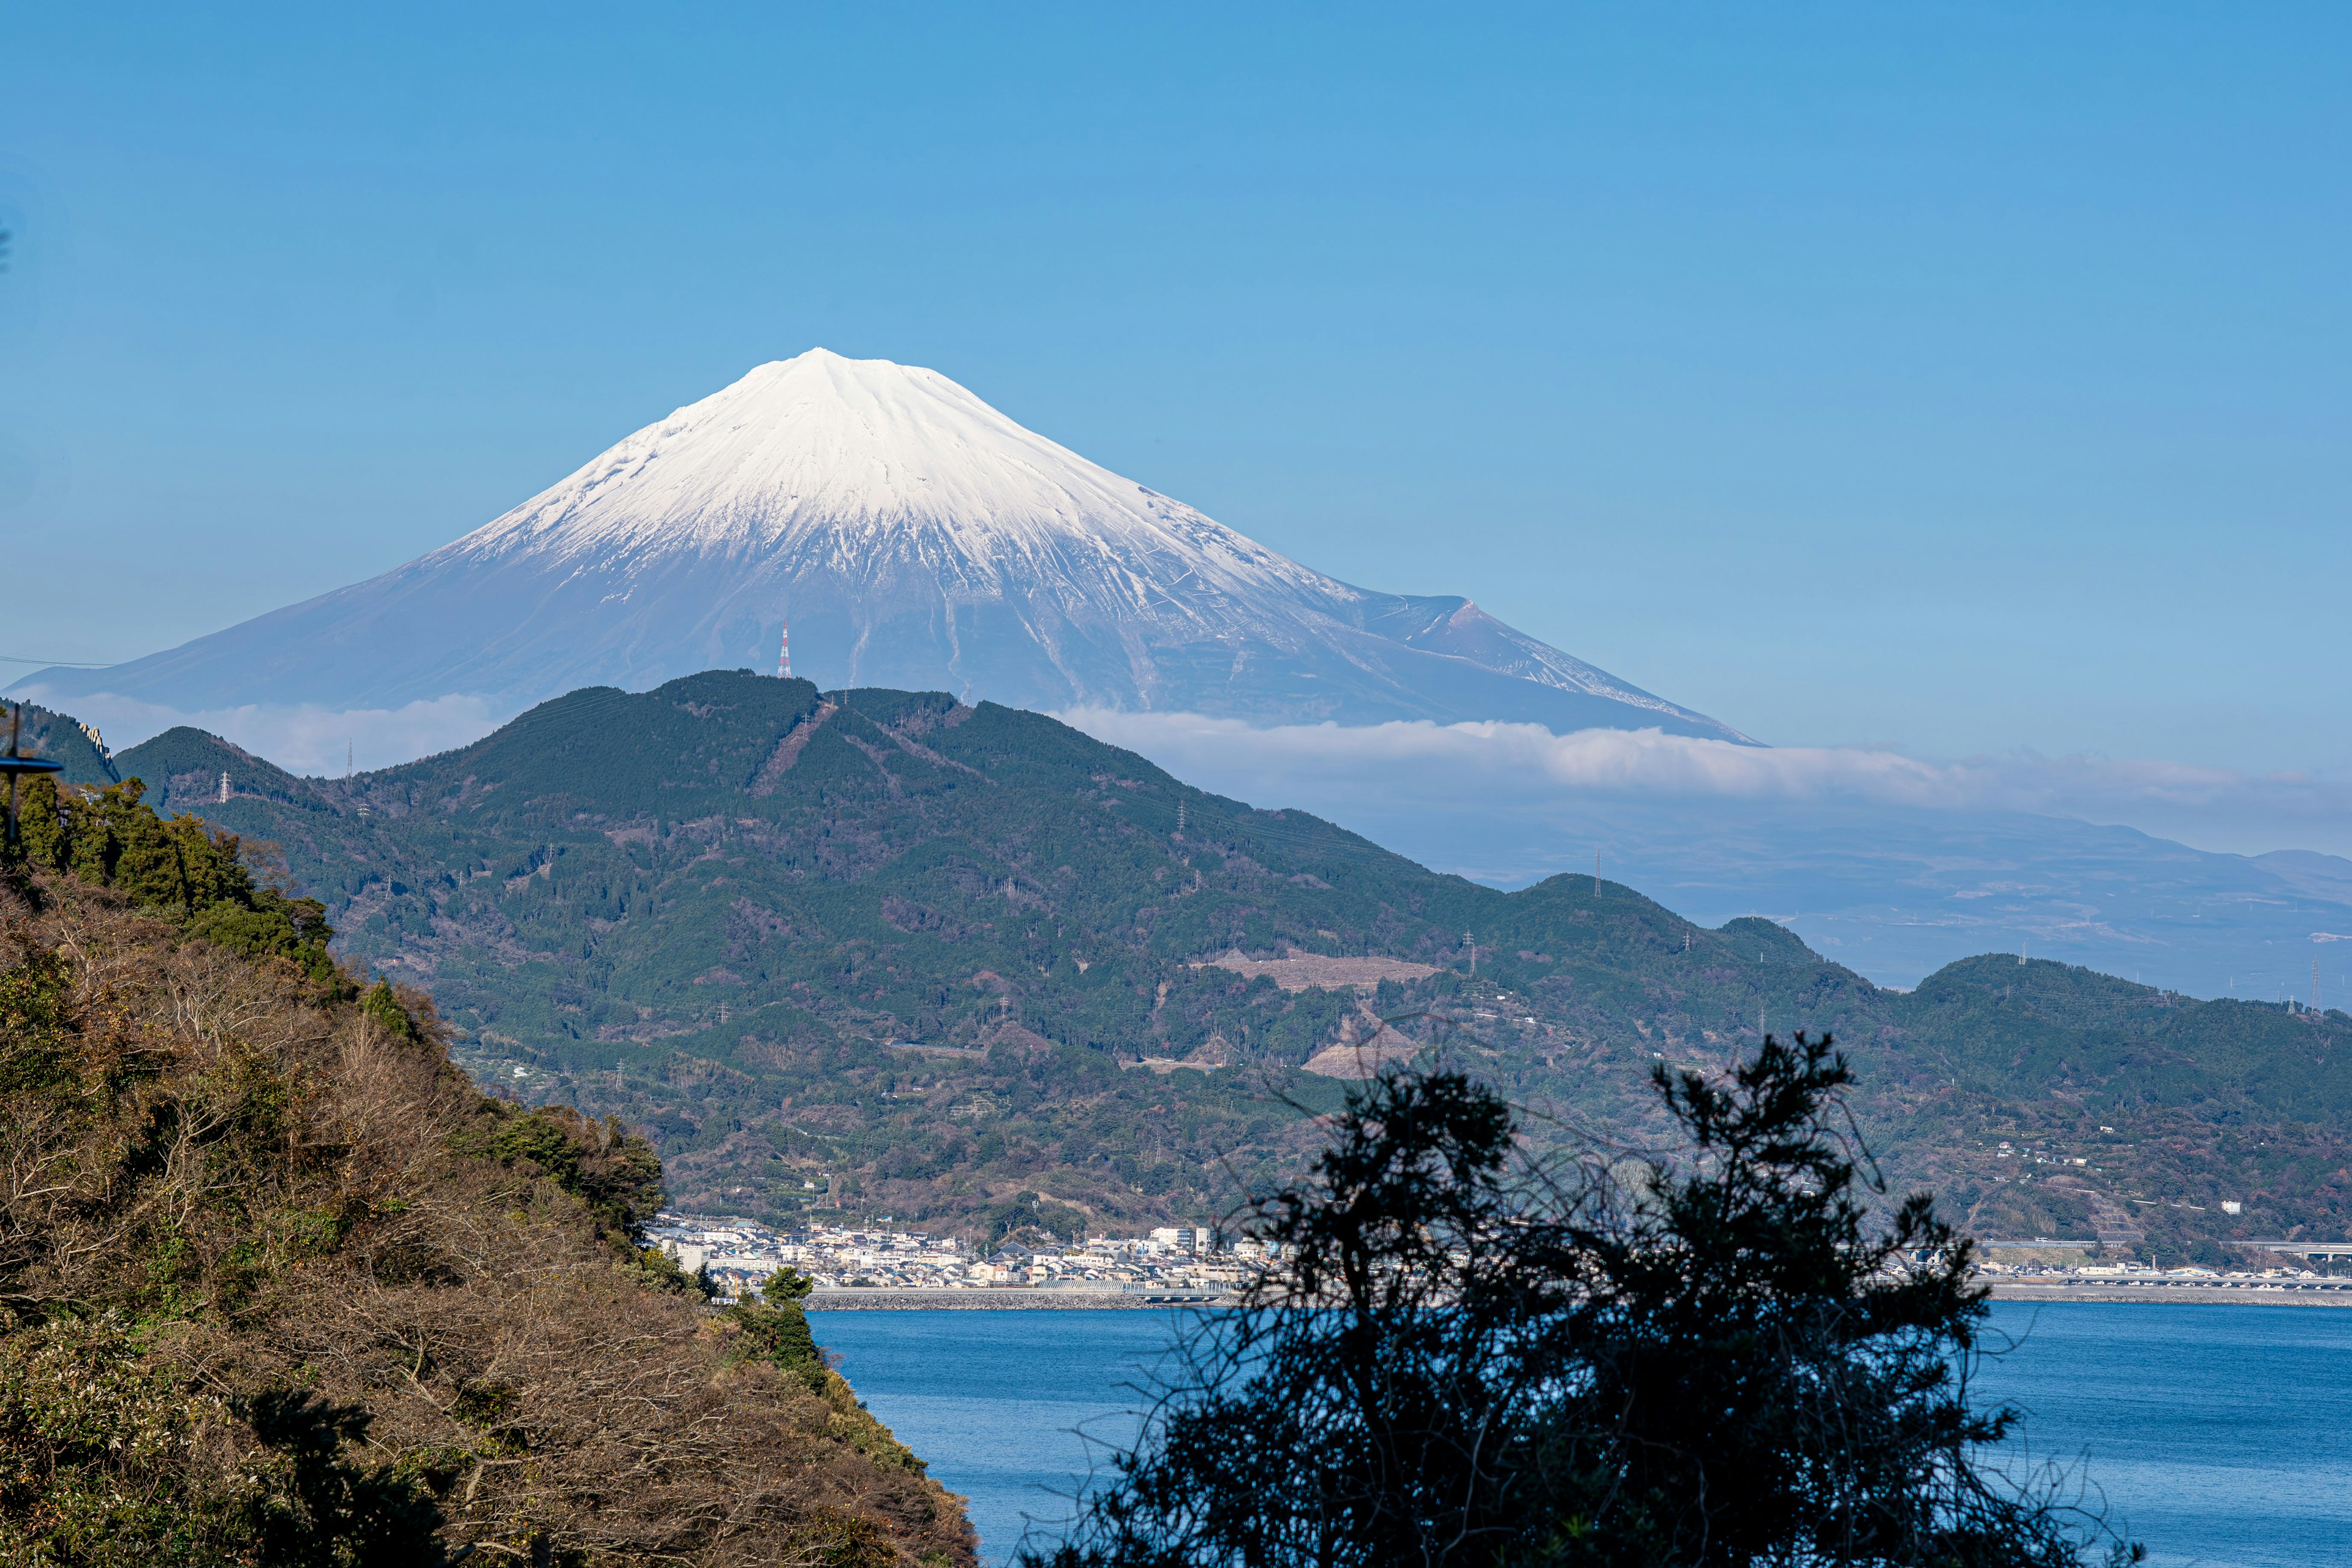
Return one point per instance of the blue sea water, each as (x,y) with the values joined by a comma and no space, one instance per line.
(2219,1436)
(1010,1408)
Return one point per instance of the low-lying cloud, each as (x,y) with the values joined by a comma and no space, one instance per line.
(305,739)
(1526,763)
(1383,770)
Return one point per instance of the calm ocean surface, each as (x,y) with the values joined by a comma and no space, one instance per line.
(2220,1435)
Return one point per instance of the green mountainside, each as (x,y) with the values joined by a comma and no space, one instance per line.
(45,732)
(980,969)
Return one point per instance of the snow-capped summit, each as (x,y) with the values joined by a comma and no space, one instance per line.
(916,538)
(856,458)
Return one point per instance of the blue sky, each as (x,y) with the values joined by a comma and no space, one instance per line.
(1949,379)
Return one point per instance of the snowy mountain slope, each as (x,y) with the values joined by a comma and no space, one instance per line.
(916,538)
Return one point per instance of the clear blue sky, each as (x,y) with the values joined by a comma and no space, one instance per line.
(1960,378)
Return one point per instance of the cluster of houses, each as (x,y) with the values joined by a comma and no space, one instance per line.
(741,1254)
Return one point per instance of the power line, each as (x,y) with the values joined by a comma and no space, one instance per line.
(53,663)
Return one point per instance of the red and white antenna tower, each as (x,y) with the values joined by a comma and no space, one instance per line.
(784,654)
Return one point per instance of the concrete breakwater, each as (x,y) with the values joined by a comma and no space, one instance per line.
(878,1298)
(2265,1293)
(2197,1292)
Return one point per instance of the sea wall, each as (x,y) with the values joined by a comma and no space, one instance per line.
(2187,1292)
(874,1298)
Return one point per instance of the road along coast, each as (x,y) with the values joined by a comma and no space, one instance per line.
(2192,1292)
(2177,1292)
(871,1299)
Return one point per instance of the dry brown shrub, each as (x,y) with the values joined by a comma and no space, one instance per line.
(268,1183)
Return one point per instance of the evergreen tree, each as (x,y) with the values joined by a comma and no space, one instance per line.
(189,873)
(1467,1359)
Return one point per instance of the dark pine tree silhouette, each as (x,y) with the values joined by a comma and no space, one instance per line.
(1473,1355)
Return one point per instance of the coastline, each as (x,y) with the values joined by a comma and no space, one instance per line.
(2180,1293)
(886,1299)
(2171,1292)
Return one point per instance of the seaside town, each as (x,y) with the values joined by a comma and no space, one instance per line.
(1170,1263)
(1179,1263)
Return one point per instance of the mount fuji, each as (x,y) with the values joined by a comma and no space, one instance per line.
(916,538)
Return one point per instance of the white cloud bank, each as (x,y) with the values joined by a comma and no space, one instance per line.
(1525,763)
(1381,769)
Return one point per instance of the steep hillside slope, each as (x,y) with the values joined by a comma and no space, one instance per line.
(913,536)
(44,732)
(282,1287)
(955,955)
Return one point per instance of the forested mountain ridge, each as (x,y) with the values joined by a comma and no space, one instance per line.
(45,732)
(922,946)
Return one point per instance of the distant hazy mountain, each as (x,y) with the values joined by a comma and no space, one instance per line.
(915,537)
(1896,894)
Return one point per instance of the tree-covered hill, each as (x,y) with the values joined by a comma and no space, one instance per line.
(280,1286)
(45,732)
(967,960)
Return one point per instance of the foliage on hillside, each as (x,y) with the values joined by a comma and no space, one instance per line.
(925,947)
(45,732)
(194,875)
(774,1329)
(282,1287)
